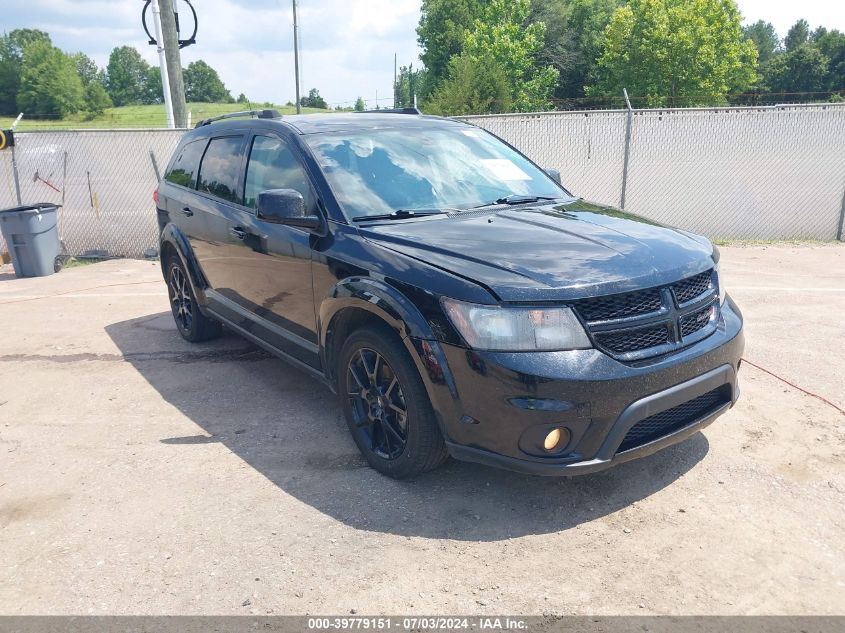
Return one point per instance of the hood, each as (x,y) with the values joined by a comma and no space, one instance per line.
(549,252)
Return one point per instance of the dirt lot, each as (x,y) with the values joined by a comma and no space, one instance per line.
(140,474)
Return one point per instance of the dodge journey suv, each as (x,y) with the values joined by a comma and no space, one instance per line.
(454,295)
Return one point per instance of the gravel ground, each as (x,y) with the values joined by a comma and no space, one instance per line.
(142,475)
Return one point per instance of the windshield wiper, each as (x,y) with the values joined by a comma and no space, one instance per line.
(516,199)
(401,214)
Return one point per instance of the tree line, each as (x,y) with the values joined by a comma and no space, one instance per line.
(483,56)
(41,80)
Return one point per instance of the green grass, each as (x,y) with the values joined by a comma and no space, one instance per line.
(140,116)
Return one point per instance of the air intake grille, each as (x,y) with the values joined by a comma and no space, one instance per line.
(619,306)
(692,323)
(693,287)
(674,419)
(625,341)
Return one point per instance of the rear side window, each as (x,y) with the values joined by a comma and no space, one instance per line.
(218,173)
(272,165)
(183,170)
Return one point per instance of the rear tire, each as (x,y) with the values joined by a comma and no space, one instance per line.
(386,405)
(192,324)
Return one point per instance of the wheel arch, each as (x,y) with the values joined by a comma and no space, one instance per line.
(174,242)
(356,301)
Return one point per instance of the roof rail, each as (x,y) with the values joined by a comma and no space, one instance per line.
(261,114)
(393,111)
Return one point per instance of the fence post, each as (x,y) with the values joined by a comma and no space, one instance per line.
(628,124)
(839,235)
(16,177)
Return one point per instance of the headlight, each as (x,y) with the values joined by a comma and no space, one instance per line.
(719,282)
(516,329)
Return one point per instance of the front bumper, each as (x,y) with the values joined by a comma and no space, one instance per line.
(489,402)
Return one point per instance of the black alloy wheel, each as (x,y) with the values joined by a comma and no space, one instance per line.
(378,403)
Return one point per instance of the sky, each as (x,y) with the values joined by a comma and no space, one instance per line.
(346,46)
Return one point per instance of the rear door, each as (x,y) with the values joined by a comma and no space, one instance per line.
(214,209)
(176,193)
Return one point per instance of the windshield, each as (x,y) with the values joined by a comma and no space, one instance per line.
(375,172)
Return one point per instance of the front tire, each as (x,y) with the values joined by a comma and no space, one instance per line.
(192,324)
(386,405)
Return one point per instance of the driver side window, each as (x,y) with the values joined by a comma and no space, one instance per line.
(272,165)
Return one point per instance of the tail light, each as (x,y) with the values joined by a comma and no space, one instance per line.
(155,196)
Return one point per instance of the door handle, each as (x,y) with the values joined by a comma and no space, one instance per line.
(187,211)
(237,232)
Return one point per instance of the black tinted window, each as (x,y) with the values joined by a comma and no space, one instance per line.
(220,166)
(273,166)
(183,170)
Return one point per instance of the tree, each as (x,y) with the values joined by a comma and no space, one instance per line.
(96,99)
(832,45)
(86,68)
(472,87)
(360,106)
(499,38)
(798,34)
(93,84)
(49,83)
(127,76)
(676,52)
(203,84)
(765,39)
(440,33)
(573,40)
(242,98)
(153,89)
(803,69)
(11,61)
(408,85)
(313,100)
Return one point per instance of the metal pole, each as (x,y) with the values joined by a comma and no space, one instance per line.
(162,61)
(15,176)
(839,236)
(628,124)
(296,57)
(169,28)
(395,86)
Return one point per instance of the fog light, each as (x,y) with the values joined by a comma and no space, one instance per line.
(552,440)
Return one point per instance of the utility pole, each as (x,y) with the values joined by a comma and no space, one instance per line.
(296,57)
(162,60)
(170,30)
(395,86)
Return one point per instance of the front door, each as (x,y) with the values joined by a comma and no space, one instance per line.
(273,265)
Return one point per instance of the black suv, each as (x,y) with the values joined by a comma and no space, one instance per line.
(456,297)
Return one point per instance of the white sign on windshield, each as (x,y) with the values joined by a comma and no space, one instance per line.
(504,169)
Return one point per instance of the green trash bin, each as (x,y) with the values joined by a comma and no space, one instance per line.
(32,236)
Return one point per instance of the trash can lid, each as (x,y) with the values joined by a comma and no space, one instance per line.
(37,207)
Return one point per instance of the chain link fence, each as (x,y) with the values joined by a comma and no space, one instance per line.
(765,173)
(731,173)
(104,180)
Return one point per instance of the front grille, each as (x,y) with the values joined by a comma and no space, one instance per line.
(636,325)
(693,287)
(620,306)
(674,419)
(625,341)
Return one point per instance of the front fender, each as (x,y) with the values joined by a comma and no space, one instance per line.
(172,238)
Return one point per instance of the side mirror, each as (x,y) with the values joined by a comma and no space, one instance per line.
(286,206)
(554,174)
